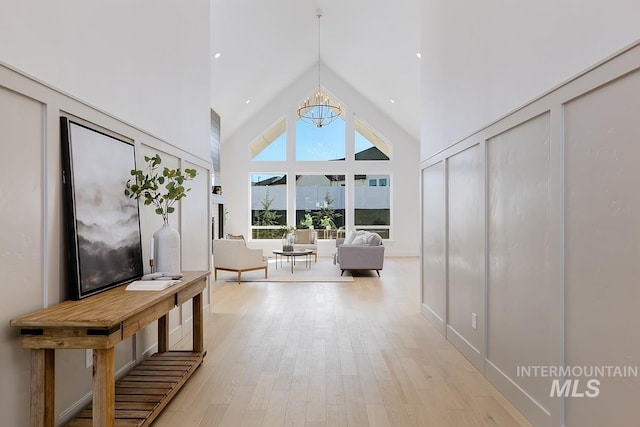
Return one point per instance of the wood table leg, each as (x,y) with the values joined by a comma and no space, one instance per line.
(198,324)
(163,334)
(42,387)
(104,387)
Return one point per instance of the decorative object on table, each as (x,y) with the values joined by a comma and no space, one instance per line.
(162,276)
(151,285)
(161,189)
(288,237)
(103,226)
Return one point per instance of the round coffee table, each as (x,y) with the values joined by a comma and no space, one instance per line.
(291,256)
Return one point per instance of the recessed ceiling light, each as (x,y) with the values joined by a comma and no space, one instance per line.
(217,55)
(419,55)
(247,101)
(392,101)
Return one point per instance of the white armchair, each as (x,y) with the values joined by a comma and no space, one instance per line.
(234,255)
(306,239)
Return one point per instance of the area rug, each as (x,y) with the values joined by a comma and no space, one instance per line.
(322,271)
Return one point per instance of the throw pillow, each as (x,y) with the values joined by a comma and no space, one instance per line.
(374,239)
(360,239)
(350,236)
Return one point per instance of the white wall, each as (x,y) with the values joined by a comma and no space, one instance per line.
(465,251)
(402,168)
(140,70)
(481,60)
(559,207)
(146,62)
(602,243)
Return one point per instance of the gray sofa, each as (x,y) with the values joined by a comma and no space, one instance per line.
(360,250)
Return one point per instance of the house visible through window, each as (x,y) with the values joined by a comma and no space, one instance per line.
(372,205)
(323,192)
(368,144)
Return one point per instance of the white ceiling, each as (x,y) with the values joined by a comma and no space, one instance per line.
(267,44)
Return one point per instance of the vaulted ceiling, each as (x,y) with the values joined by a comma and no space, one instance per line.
(266,45)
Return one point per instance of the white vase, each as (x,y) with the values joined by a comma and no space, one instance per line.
(166,250)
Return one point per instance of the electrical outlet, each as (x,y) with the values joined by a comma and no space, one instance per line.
(474,321)
(88,358)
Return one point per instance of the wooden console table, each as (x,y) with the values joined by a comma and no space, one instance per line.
(99,323)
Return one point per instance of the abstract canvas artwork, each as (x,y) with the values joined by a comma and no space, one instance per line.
(103,225)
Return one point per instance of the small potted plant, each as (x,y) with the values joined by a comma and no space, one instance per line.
(161,188)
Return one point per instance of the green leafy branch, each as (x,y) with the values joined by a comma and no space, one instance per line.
(161,189)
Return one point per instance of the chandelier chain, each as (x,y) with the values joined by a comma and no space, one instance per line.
(319,15)
(320,110)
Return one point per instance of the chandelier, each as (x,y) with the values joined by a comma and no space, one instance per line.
(319,109)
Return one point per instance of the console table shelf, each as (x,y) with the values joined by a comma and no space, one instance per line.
(99,323)
(145,391)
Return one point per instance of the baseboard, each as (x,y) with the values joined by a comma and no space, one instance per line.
(175,335)
(68,414)
(149,351)
(187,326)
(437,321)
(537,414)
(465,347)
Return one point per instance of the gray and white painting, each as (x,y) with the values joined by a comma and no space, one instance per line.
(107,222)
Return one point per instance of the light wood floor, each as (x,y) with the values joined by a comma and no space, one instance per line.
(332,354)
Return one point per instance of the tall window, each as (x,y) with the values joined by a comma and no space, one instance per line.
(320,144)
(372,204)
(268,205)
(368,144)
(320,203)
(271,145)
(320,198)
